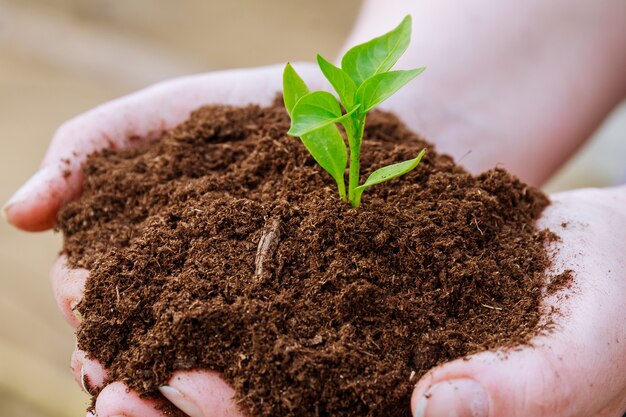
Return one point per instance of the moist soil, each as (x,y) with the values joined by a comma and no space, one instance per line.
(223,246)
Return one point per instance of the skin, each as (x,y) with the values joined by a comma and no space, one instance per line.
(500,88)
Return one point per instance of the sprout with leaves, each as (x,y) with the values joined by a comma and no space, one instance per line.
(363,82)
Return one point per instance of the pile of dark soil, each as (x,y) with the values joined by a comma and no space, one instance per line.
(224,246)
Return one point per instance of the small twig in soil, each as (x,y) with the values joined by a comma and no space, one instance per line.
(267,246)
(367,353)
(476,223)
(491,307)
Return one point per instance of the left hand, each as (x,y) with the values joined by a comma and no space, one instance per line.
(118,124)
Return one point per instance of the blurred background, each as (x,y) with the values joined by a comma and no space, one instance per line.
(59,58)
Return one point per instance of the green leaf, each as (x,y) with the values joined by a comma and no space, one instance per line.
(377,55)
(391,171)
(294,88)
(340,80)
(314,111)
(380,87)
(329,150)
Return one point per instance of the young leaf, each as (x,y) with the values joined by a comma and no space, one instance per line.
(327,147)
(341,82)
(314,111)
(380,87)
(391,171)
(294,88)
(379,54)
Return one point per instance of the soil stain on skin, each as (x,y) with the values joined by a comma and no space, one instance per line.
(224,246)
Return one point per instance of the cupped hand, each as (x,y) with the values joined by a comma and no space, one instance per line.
(579,368)
(196,393)
(576,371)
(127,122)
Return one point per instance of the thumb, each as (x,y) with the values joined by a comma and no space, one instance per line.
(530,382)
(540,381)
(35,205)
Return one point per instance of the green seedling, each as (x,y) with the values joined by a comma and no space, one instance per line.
(363,82)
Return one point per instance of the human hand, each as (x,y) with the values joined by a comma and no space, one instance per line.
(578,370)
(148,113)
(575,371)
(122,123)
(130,121)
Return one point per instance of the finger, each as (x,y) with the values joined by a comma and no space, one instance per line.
(575,371)
(489,385)
(536,382)
(201,394)
(118,124)
(116,400)
(88,373)
(67,286)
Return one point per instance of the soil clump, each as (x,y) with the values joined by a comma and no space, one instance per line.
(224,246)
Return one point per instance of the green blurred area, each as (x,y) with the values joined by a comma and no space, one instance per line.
(59,58)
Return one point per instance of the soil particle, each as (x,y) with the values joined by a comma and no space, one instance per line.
(560,282)
(224,246)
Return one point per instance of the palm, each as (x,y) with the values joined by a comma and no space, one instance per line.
(569,372)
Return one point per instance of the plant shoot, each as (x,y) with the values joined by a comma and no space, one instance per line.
(363,82)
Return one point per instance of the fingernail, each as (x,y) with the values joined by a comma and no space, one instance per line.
(420,409)
(77,313)
(84,383)
(27,189)
(458,398)
(179,400)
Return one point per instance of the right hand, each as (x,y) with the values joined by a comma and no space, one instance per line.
(577,368)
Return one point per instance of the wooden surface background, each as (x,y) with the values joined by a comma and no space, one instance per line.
(61,57)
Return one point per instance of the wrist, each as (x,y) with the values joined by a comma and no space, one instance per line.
(516,84)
